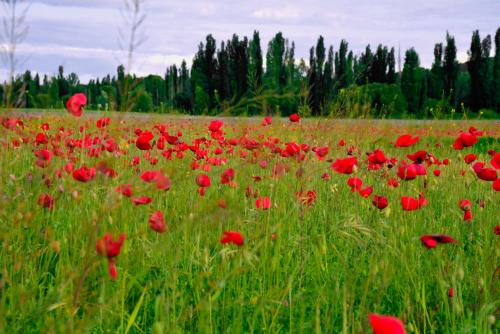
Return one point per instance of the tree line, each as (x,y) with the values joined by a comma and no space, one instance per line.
(231,78)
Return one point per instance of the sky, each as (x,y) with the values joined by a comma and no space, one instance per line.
(83,35)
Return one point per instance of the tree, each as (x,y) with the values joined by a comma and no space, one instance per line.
(412,81)
(436,76)
(363,67)
(478,70)
(496,73)
(341,74)
(255,60)
(391,63)
(378,72)
(275,63)
(450,66)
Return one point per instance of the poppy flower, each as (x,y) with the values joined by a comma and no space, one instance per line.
(142,200)
(366,192)
(41,138)
(46,201)
(485,174)
(355,183)
(382,324)
(162,182)
(227,176)
(150,176)
(321,152)
(432,240)
(469,158)
(263,203)
(451,293)
(267,121)
(157,222)
(103,122)
(232,237)
(393,183)
(215,125)
(308,198)
(417,157)
(345,166)
(406,141)
(380,202)
(84,174)
(75,104)
(436,172)
(495,160)
(411,203)
(143,141)
(203,180)
(125,190)
(107,247)
(294,118)
(465,139)
(377,158)
(496,230)
(407,172)
(496,185)
(44,157)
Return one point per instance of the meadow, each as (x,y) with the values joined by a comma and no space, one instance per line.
(158,224)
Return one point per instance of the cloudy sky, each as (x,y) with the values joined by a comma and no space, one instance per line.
(82,35)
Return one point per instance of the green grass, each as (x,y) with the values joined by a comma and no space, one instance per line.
(329,267)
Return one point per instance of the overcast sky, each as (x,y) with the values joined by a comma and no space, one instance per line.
(82,35)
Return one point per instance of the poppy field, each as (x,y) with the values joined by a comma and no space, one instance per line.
(130,224)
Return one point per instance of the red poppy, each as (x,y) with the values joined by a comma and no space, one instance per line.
(143,141)
(393,183)
(407,172)
(294,118)
(496,185)
(418,157)
(308,198)
(203,180)
(406,141)
(465,139)
(377,158)
(215,125)
(84,174)
(150,176)
(231,237)
(496,230)
(267,121)
(142,200)
(495,160)
(125,190)
(44,157)
(386,324)
(411,204)
(75,104)
(366,192)
(227,176)
(469,158)
(110,248)
(162,182)
(436,172)
(355,183)
(380,202)
(465,204)
(263,203)
(321,152)
(103,122)
(41,138)
(485,174)
(432,240)
(157,222)
(46,201)
(345,166)
(451,292)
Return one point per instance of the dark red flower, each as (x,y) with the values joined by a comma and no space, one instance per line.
(411,203)
(103,122)
(203,180)
(263,203)
(465,139)
(143,141)
(386,324)
(150,176)
(75,104)
(232,237)
(485,174)
(495,160)
(355,183)
(157,222)
(406,141)
(46,201)
(308,198)
(110,248)
(345,166)
(125,190)
(432,240)
(142,200)
(469,158)
(380,202)
(227,176)
(294,118)
(215,125)
(84,174)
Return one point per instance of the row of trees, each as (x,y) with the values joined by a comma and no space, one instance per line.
(232,78)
